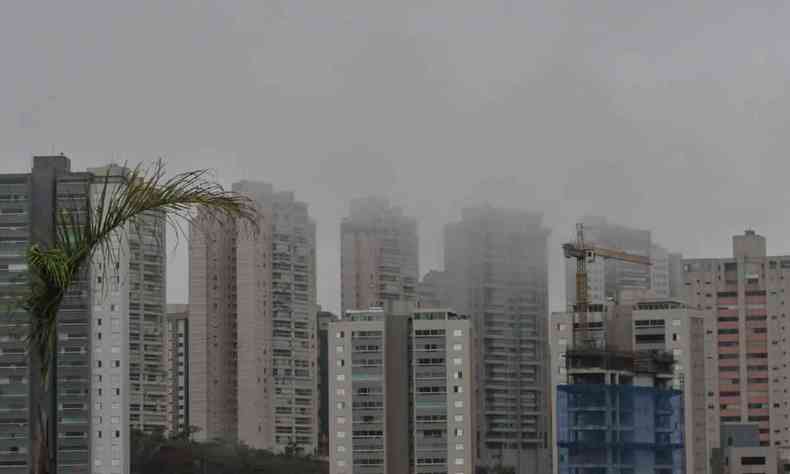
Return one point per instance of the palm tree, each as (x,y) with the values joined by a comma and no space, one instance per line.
(83,236)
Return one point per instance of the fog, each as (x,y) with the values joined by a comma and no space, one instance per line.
(669,116)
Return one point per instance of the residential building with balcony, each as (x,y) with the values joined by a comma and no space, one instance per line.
(403,397)
(252,325)
(745,296)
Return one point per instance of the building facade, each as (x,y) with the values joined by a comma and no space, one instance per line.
(379,255)
(109,371)
(324,319)
(177,367)
(669,326)
(253,371)
(745,298)
(497,272)
(403,392)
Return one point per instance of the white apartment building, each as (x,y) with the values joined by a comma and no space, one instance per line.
(128,307)
(373,353)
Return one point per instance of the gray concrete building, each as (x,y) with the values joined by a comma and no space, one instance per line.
(324,319)
(496,268)
(379,255)
(28,205)
(253,371)
(403,397)
(177,366)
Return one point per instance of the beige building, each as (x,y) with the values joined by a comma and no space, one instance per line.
(403,392)
(668,325)
(253,375)
(379,255)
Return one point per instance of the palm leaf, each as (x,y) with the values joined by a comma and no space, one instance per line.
(90,233)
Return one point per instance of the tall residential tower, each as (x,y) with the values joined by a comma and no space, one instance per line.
(496,270)
(253,375)
(745,297)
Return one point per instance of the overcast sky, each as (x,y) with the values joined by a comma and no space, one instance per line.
(670,116)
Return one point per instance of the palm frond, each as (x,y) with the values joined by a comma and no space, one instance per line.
(91,229)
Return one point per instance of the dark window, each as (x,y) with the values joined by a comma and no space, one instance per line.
(753,460)
(649,338)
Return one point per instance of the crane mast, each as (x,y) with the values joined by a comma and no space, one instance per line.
(583,253)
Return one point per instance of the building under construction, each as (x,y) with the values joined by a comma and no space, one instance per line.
(617,410)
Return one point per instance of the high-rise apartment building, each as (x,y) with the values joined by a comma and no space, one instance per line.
(666,325)
(496,271)
(109,371)
(128,321)
(29,203)
(252,324)
(403,397)
(379,255)
(745,296)
(177,367)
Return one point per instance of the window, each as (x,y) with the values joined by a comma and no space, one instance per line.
(459,418)
(459,433)
(341,362)
(458,332)
(341,377)
(676,322)
(341,434)
(340,334)
(339,349)
(341,420)
(341,392)
(458,389)
(752,461)
(459,404)
(459,461)
(457,347)
(458,361)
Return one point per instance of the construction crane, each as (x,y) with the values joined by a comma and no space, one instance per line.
(584,253)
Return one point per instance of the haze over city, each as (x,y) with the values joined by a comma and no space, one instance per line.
(667,116)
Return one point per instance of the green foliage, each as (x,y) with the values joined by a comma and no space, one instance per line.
(179,454)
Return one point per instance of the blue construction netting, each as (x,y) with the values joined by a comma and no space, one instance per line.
(608,429)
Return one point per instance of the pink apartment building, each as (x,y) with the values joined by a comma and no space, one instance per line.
(743,298)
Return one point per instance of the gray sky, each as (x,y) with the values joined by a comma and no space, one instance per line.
(670,115)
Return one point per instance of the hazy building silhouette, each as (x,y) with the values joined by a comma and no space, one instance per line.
(379,255)
(496,271)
